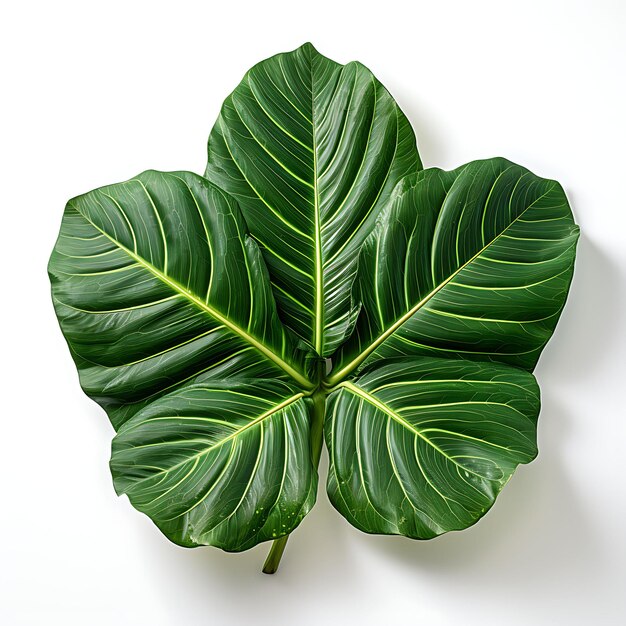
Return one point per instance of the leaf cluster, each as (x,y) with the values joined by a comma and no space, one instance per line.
(316,284)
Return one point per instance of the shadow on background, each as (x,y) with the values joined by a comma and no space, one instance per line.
(431,143)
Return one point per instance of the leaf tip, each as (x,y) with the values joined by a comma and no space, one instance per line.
(309,48)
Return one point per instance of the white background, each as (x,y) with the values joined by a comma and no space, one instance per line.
(95,92)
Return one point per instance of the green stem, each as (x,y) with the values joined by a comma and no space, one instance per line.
(276,552)
(317,435)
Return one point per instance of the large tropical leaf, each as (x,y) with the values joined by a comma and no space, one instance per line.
(422,446)
(223,464)
(156,284)
(311,150)
(472,263)
(433,293)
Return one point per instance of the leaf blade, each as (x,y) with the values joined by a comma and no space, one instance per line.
(312,151)
(225,464)
(430,262)
(423,446)
(155,284)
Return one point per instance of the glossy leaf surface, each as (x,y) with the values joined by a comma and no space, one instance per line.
(224,464)
(312,151)
(315,284)
(156,285)
(473,263)
(422,446)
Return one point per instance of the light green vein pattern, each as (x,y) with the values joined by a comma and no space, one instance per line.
(312,151)
(433,293)
(473,263)
(221,464)
(156,285)
(422,446)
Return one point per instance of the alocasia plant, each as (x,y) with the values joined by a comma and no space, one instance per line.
(315,283)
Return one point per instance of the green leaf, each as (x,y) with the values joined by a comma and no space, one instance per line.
(422,446)
(156,285)
(473,263)
(200,312)
(223,464)
(311,150)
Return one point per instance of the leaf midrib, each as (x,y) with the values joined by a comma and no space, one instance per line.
(347,369)
(381,406)
(251,424)
(178,288)
(318,339)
